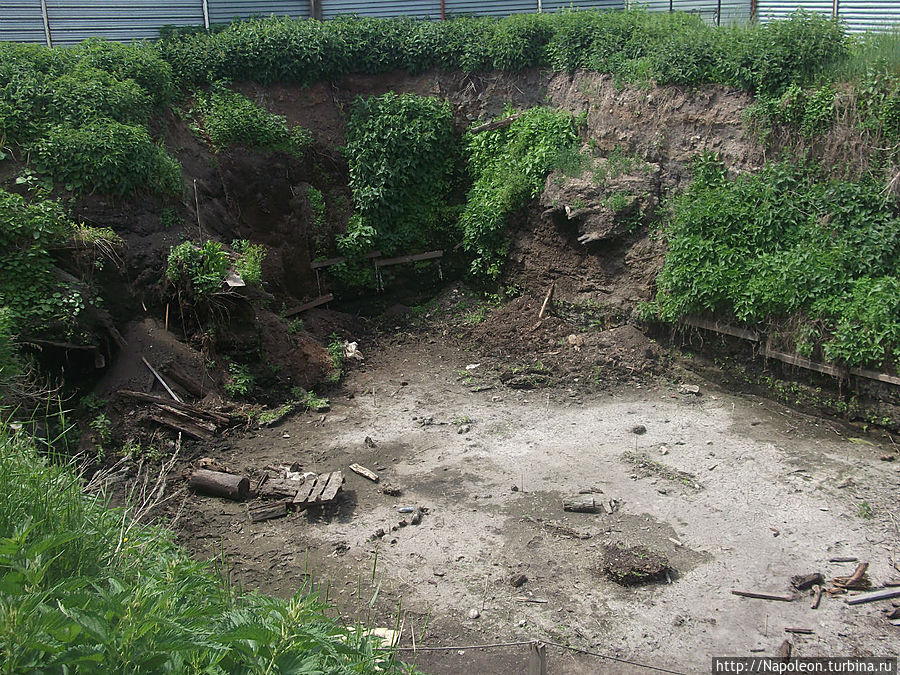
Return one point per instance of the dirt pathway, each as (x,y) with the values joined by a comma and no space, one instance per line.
(758,499)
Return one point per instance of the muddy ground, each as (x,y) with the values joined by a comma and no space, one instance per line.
(736,491)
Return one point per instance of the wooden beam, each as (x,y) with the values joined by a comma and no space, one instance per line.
(318,264)
(884,594)
(415,257)
(309,305)
(496,124)
(719,327)
(803,362)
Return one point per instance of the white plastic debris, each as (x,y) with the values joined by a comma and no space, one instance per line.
(351,351)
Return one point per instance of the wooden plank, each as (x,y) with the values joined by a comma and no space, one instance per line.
(280,488)
(321,300)
(267,511)
(316,494)
(803,362)
(873,375)
(335,480)
(180,414)
(364,472)
(884,594)
(416,257)
(184,427)
(184,407)
(495,124)
(801,631)
(720,327)
(763,596)
(319,264)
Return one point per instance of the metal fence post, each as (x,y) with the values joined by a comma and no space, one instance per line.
(719,13)
(46,23)
(205,5)
(835,9)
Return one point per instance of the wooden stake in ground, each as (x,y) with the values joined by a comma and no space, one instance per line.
(546,300)
(537,659)
(219,484)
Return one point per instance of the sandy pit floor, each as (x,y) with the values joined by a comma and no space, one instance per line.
(738,492)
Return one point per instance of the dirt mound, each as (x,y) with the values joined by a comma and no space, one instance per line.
(148,339)
(633,565)
(558,348)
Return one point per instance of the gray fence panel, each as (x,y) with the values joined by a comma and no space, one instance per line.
(226,11)
(22,21)
(430,9)
(880,15)
(496,8)
(732,11)
(773,10)
(72,21)
(557,5)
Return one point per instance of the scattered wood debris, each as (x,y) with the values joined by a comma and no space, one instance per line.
(801,631)
(364,472)
(817,596)
(759,595)
(803,582)
(580,503)
(319,490)
(859,580)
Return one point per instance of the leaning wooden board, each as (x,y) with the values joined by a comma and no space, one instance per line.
(319,490)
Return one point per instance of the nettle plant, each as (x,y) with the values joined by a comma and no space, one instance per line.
(228,118)
(787,246)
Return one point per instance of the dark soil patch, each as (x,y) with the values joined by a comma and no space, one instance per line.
(633,565)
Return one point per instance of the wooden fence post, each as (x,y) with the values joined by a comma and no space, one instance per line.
(537,661)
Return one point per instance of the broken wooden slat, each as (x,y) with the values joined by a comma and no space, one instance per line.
(267,511)
(803,362)
(884,594)
(538,601)
(185,427)
(763,596)
(580,504)
(857,581)
(180,414)
(546,300)
(415,257)
(220,484)
(304,491)
(363,471)
(843,559)
(817,597)
(330,491)
(161,380)
(321,300)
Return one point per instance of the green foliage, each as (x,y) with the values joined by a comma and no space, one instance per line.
(240,382)
(400,150)
(229,118)
(108,157)
(85,589)
(674,48)
(508,168)
(249,261)
(784,243)
(310,400)
(34,300)
(10,363)
(198,270)
(336,349)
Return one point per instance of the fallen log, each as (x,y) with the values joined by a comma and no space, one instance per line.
(218,484)
(496,124)
(188,417)
(183,380)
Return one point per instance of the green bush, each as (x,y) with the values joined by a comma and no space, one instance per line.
(108,157)
(88,93)
(199,271)
(32,298)
(400,150)
(785,244)
(249,261)
(83,589)
(508,168)
(229,118)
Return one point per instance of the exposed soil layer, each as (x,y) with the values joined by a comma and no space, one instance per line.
(781,496)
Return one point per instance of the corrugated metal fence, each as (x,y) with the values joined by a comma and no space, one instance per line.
(66,22)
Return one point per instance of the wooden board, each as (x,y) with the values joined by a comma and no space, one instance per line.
(719,327)
(884,594)
(415,257)
(309,305)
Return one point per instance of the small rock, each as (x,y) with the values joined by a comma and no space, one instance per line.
(464,429)
(663,450)
(888,458)
(639,429)
(691,389)
(403,523)
(474,613)
(391,490)
(379,532)
(369,443)
(515,488)
(285,435)
(518,580)
(416,517)
(438,573)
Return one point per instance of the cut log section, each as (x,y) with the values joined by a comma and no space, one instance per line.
(319,490)
(580,504)
(220,484)
(280,488)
